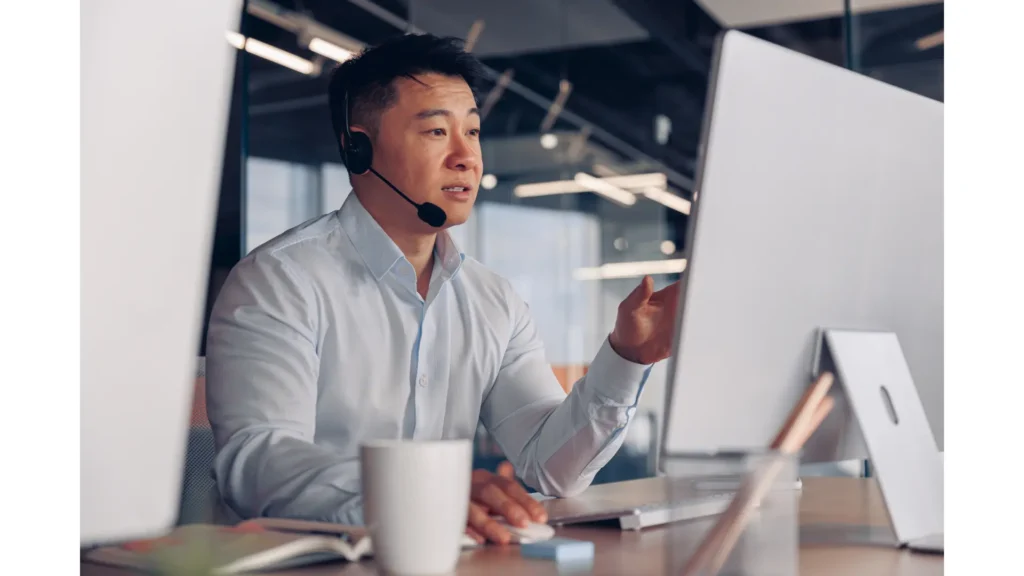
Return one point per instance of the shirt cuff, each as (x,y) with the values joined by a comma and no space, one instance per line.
(616,379)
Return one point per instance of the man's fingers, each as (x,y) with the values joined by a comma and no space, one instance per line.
(493,496)
(501,496)
(667,296)
(523,498)
(646,288)
(500,501)
(483,524)
(506,470)
(641,293)
(476,536)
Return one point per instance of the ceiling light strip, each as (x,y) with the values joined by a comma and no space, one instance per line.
(931,41)
(329,50)
(602,187)
(655,180)
(631,269)
(668,200)
(271,53)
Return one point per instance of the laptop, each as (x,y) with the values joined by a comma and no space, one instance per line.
(638,504)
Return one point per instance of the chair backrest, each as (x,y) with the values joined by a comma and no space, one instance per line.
(197,488)
(199,419)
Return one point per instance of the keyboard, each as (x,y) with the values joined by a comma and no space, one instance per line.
(660,513)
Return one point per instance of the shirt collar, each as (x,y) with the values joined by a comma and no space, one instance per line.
(379,251)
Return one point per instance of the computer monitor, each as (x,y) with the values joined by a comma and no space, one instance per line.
(155,89)
(819,205)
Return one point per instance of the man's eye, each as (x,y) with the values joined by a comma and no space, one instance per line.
(437,132)
(474,132)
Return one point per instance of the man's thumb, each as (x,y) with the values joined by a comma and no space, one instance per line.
(643,292)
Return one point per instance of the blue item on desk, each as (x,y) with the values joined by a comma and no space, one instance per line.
(559,550)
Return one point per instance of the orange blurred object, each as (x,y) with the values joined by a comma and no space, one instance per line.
(568,374)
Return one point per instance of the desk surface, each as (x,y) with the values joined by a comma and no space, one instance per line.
(844,530)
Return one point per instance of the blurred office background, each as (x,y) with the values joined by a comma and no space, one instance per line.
(612,90)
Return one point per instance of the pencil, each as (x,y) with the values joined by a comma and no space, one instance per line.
(803,420)
(736,528)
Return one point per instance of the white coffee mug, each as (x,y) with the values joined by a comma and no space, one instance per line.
(415,503)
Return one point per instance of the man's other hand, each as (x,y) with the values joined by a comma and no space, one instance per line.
(494,495)
(646,322)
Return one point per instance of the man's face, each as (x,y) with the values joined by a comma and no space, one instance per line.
(428,145)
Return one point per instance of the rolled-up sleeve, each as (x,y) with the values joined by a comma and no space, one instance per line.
(557,442)
(262,370)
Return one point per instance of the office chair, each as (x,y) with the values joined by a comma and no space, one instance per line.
(197,500)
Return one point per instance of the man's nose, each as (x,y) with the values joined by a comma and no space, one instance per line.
(463,155)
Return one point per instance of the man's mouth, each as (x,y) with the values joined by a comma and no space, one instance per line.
(455,189)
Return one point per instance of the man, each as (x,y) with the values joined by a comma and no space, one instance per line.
(369,323)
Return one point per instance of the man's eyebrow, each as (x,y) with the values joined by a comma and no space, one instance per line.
(434,112)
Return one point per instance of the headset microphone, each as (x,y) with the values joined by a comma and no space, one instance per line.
(430,213)
(357,152)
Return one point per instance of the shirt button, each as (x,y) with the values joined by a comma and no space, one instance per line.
(423,380)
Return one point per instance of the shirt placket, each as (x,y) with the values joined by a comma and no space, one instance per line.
(433,362)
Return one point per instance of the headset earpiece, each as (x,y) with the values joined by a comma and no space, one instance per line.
(357,149)
(358,152)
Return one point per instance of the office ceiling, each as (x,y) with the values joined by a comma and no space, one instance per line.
(753,13)
(553,25)
(628,60)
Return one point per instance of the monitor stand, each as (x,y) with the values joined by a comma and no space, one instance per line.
(876,379)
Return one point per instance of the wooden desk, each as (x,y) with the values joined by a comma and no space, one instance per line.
(844,530)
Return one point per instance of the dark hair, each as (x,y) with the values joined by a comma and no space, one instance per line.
(369,77)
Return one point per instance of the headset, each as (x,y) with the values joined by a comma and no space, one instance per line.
(357,151)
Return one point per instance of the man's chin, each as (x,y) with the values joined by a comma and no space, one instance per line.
(457,215)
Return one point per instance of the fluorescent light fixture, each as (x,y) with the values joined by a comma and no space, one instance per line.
(654,180)
(578,145)
(474,34)
(278,56)
(603,171)
(602,187)
(564,89)
(329,50)
(548,188)
(931,41)
(548,141)
(235,39)
(630,269)
(668,199)
(489,181)
(495,94)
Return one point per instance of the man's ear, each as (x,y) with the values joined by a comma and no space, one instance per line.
(362,130)
(358,153)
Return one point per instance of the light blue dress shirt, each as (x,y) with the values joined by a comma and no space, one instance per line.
(319,340)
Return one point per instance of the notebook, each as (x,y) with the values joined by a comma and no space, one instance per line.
(265,544)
